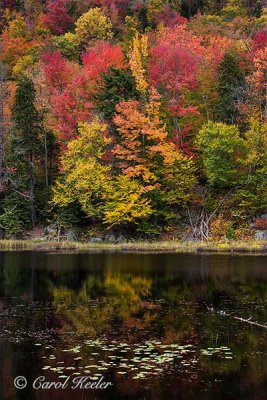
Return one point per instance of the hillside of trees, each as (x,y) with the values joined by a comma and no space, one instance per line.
(133,118)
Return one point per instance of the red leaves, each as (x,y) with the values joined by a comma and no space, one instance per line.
(183,140)
(71,86)
(174,60)
(100,58)
(57,18)
(70,103)
(169,17)
(178,57)
(59,72)
(259,40)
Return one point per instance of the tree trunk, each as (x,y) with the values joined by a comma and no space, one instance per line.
(31,192)
(200,228)
(46,160)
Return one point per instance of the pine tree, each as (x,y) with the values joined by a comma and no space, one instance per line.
(25,147)
(231,84)
(257,12)
(118,85)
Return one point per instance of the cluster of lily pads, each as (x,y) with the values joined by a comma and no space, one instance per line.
(137,361)
(222,352)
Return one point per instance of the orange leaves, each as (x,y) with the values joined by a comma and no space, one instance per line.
(260,65)
(257,83)
(14,48)
(143,146)
(130,122)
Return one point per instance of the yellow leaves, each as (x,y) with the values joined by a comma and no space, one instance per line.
(68,45)
(85,180)
(93,25)
(138,60)
(132,288)
(262,21)
(126,203)
(178,181)
(23,65)
(17,28)
(88,182)
(91,142)
(69,37)
(62,194)
(168,151)
(131,24)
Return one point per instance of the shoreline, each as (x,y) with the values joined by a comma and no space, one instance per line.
(185,247)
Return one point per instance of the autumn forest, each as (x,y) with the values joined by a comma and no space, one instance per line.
(133,118)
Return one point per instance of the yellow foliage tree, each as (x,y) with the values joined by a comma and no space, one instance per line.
(256,142)
(17,28)
(126,202)
(85,179)
(138,59)
(94,24)
(68,45)
(23,66)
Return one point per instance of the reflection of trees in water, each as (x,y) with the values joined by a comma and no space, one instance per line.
(114,302)
(121,303)
(123,298)
(181,316)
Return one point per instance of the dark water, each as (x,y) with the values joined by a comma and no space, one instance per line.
(142,322)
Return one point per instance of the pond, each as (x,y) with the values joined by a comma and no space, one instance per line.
(148,326)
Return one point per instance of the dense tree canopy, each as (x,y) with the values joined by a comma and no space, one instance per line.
(142,117)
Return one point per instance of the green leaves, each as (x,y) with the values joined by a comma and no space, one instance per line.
(222,153)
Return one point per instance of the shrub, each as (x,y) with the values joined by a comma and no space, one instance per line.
(261,223)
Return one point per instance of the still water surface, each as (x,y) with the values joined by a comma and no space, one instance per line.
(153,325)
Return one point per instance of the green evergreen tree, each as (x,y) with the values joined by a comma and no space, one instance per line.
(118,85)
(231,89)
(212,6)
(257,12)
(23,159)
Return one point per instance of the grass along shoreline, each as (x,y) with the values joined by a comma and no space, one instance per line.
(246,246)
